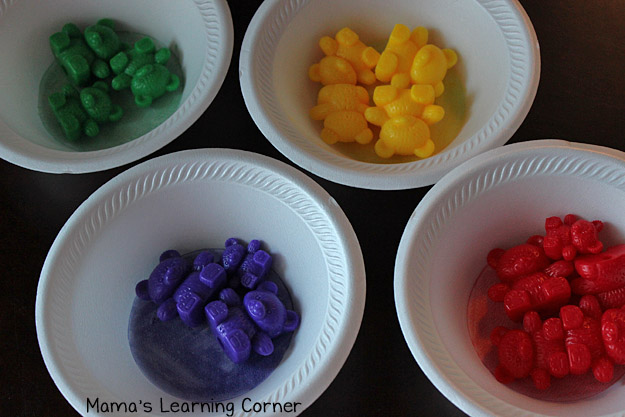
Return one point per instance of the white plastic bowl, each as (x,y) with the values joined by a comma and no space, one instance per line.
(199,32)
(499,64)
(496,199)
(190,200)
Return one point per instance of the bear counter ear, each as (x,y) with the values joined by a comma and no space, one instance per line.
(72,30)
(400,33)
(142,290)
(432,113)
(162,56)
(314,73)
(174,83)
(169,253)
(91,128)
(328,45)
(143,101)
(116,113)
(106,22)
(426,150)
(382,149)
(420,36)
(203,259)
(292,321)
(347,37)
(231,241)
(253,246)
(144,45)
(370,57)
(59,41)
(451,57)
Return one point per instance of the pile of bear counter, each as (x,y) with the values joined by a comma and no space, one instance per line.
(230,293)
(97,61)
(568,293)
(409,72)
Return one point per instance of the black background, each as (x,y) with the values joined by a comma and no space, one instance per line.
(580,98)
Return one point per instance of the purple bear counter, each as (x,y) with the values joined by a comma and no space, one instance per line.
(581,97)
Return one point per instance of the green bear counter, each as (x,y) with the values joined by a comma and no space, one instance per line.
(99,64)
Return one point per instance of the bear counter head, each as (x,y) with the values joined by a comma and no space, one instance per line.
(267,311)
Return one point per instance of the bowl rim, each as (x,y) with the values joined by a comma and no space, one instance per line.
(217,22)
(419,335)
(263,106)
(323,215)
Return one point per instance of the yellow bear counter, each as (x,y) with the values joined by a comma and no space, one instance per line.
(405,80)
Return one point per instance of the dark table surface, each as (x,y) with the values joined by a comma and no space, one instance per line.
(581,97)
